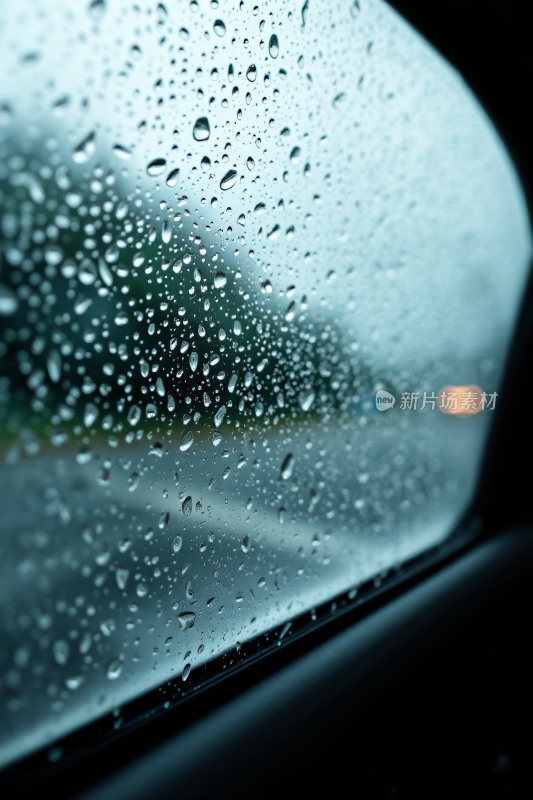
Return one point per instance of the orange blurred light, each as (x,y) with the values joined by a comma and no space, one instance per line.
(460,401)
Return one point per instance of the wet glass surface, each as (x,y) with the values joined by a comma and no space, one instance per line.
(224,229)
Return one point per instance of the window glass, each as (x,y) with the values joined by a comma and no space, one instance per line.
(230,234)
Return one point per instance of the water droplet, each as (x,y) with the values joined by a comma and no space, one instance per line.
(216,438)
(245,544)
(219,27)
(273,46)
(186,440)
(186,672)
(138,259)
(160,387)
(8,301)
(184,33)
(207,400)
(219,416)
(61,651)
(232,382)
(186,620)
(251,73)
(186,506)
(89,415)
(81,304)
(290,312)
(338,100)
(306,398)
(172,177)
(166,232)
(229,180)
(305,9)
(121,152)
(53,364)
(105,273)
(121,576)
(156,167)
(133,481)
(177,543)
(142,588)
(121,318)
(74,682)
(134,415)
(83,152)
(295,155)
(205,163)
(87,272)
(193,361)
(220,280)
(59,437)
(237,327)
(114,668)
(151,411)
(281,515)
(171,403)
(201,129)
(287,467)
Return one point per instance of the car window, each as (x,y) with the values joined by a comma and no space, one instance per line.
(260,265)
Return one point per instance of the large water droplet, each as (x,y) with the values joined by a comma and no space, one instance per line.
(166,232)
(287,467)
(177,543)
(114,668)
(295,155)
(305,9)
(121,152)
(273,46)
(172,177)
(89,415)
(186,506)
(201,129)
(87,272)
(193,361)
(8,301)
(105,273)
(160,387)
(186,440)
(83,152)
(306,398)
(121,318)
(61,650)
(219,416)
(251,73)
(53,364)
(121,576)
(156,167)
(187,620)
(74,682)
(134,415)
(219,27)
(229,180)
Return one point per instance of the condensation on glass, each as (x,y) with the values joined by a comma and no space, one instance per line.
(224,228)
